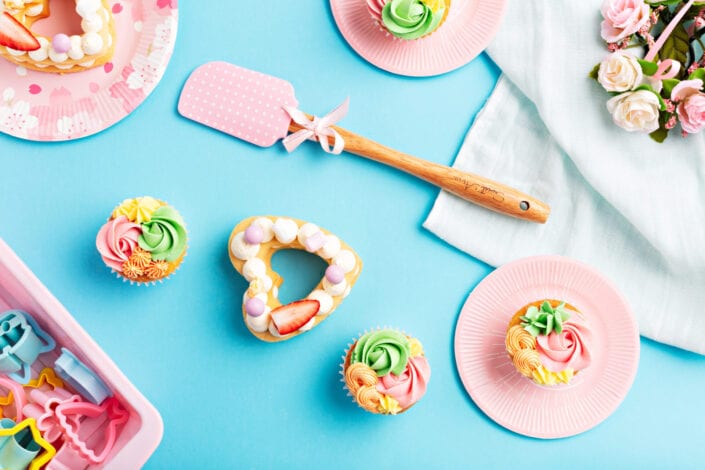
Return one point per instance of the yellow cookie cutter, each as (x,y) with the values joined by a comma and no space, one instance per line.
(42,459)
(46,376)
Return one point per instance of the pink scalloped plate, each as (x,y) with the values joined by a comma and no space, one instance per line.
(53,107)
(466,32)
(514,401)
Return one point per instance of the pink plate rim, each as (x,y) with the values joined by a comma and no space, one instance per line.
(466,32)
(514,401)
(50,107)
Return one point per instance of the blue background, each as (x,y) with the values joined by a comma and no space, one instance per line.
(229,400)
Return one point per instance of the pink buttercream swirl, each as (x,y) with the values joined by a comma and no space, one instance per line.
(410,386)
(570,348)
(117,240)
(375,8)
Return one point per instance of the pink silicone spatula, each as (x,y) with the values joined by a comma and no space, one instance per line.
(258,108)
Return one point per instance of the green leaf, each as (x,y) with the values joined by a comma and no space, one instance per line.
(558,327)
(669,84)
(698,74)
(649,68)
(677,47)
(549,325)
(659,135)
(593,73)
(533,330)
(546,307)
(532,312)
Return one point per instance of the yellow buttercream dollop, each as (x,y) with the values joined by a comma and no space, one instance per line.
(435,5)
(543,376)
(389,405)
(416,347)
(137,210)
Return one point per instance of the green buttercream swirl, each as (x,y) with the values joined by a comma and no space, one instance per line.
(410,19)
(383,351)
(164,236)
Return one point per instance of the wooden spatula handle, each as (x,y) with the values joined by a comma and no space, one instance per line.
(482,191)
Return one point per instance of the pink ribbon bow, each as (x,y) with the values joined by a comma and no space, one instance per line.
(667,69)
(317,129)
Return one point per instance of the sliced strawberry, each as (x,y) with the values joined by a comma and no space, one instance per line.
(290,317)
(15,36)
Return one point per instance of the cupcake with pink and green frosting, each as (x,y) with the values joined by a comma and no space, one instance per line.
(143,241)
(409,19)
(386,371)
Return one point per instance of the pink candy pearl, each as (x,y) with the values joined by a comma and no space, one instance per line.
(254,234)
(61,43)
(335,274)
(254,307)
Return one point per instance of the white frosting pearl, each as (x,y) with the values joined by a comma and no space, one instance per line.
(92,43)
(306,231)
(266,225)
(42,53)
(309,324)
(273,330)
(254,268)
(259,324)
(57,57)
(34,10)
(86,8)
(335,289)
(331,247)
(275,292)
(285,230)
(324,299)
(346,260)
(92,23)
(14,52)
(260,284)
(347,291)
(241,249)
(76,50)
(88,63)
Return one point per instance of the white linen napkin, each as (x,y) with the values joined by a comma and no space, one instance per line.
(630,207)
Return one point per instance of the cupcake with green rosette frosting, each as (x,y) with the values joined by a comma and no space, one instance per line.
(409,19)
(144,240)
(385,371)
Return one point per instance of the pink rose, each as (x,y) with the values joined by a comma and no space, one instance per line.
(117,240)
(570,348)
(690,105)
(410,386)
(623,18)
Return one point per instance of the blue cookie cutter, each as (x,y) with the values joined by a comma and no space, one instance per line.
(21,342)
(81,377)
(17,450)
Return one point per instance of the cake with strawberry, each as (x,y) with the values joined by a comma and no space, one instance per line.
(252,244)
(143,241)
(385,371)
(61,53)
(549,341)
(409,19)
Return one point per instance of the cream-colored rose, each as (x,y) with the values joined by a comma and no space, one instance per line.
(620,72)
(635,111)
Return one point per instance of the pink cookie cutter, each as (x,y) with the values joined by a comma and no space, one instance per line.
(69,413)
(43,409)
(18,398)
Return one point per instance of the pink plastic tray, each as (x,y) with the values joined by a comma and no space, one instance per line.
(20,289)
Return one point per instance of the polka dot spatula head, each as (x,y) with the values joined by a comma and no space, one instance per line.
(262,110)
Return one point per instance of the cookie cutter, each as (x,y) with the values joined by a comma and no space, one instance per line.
(84,413)
(16,397)
(20,445)
(81,377)
(42,408)
(21,342)
(46,376)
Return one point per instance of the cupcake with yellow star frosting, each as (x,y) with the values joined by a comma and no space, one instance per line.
(549,341)
(409,19)
(386,371)
(143,241)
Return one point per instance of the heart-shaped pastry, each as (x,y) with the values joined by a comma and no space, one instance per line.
(62,53)
(252,244)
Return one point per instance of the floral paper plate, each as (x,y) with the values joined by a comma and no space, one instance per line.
(53,107)
(514,401)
